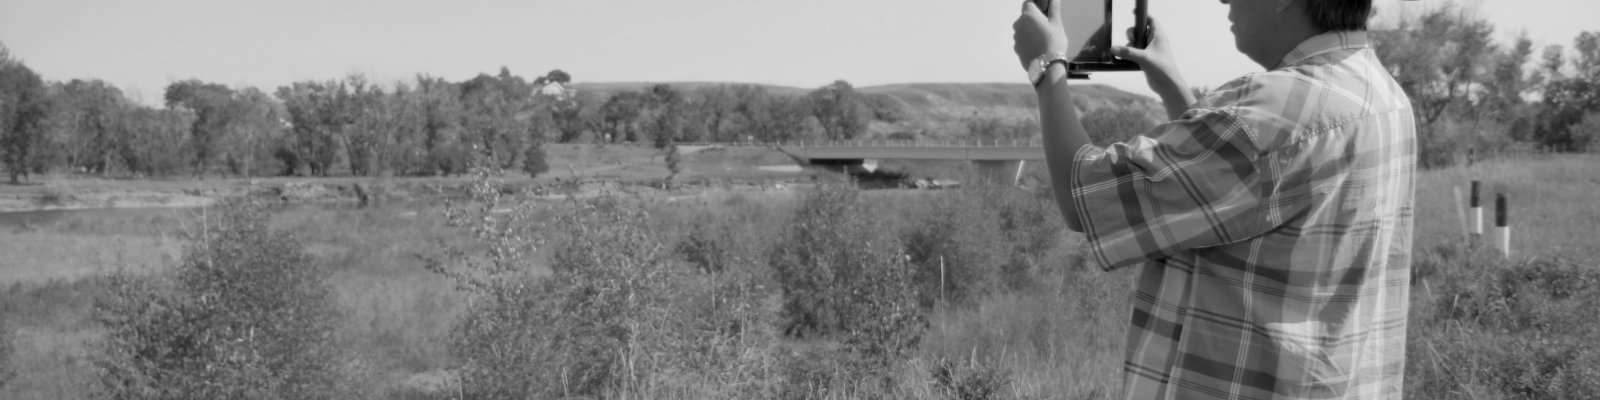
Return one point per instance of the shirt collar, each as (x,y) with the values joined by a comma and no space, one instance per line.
(1324,43)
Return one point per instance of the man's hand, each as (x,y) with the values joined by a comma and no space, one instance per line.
(1160,71)
(1035,34)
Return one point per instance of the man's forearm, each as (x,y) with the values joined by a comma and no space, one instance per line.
(1063,136)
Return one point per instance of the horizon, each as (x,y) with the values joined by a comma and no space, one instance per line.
(140,48)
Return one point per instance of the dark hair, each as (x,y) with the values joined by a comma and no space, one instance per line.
(1339,15)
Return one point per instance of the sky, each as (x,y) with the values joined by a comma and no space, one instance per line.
(141,46)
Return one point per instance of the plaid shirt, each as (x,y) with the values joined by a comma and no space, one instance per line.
(1273,222)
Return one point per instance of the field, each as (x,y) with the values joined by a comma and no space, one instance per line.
(1011,311)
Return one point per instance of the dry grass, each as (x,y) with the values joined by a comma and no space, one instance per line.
(1061,337)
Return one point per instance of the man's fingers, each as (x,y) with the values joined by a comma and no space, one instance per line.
(1055,10)
(1130,54)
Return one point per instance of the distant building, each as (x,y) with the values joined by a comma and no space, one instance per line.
(554,89)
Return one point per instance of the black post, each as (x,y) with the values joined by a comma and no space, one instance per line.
(1474,202)
(1500,210)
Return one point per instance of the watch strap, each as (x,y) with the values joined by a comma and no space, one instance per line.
(1039,69)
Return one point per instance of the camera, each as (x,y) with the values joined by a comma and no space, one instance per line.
(1090,24)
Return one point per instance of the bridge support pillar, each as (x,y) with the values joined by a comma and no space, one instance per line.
(999,171)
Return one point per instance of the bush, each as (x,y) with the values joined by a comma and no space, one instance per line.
(954,244)
(6,349)
(533,159)
(614,315)
(977,240)
(844,278)
(973,381)
(1525,328)
(1586,134)
(246,315)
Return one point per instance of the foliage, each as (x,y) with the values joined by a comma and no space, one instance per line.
(1586,133)
(614,314)
(247,314)
(1514,321)
(843,277)
(993,128)
(492,120)
(23,110)
(969,382)
(6,348)
(840,110)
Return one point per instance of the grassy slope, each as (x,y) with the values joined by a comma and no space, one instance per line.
(938,109)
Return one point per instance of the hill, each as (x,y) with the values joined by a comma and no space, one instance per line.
(930,110)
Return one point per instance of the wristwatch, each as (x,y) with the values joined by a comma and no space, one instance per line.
(1040,65)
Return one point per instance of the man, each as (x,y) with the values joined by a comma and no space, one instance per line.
(1272,218)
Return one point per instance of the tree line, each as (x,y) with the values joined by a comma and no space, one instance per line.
(354,126)
(1472,94)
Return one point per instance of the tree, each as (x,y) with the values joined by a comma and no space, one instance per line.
(259,124)
(839,109)
(1569,99)
(715,108)
(664,117)
(773,118)
(23,110)
(1437,58)
(554,76)
(573,116)
(215,113)
(318,114)
(496,116)
(88,120)
(156,140)
(247,314)
(1445,60)
(619,114)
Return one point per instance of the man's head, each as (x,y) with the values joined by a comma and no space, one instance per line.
(1266,30)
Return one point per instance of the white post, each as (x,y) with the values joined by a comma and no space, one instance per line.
(1461,214)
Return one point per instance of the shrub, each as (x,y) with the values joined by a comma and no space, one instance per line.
(246,315)
(1524,328)
(953,241)
(6,349)
(844,278)
(533,159)
(973,381)
(614,315)
(977,240)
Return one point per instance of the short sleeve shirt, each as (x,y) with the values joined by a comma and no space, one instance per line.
(1272,225)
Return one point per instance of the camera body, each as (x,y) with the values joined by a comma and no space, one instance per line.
(1089,25)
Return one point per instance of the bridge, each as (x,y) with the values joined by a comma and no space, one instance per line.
(996,159)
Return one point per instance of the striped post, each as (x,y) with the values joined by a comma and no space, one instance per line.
(1477,210)
(1501,225)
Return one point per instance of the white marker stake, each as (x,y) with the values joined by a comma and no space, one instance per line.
(1477,210)
(1500,219)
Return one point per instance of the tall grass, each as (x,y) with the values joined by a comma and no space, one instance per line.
(682,297)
